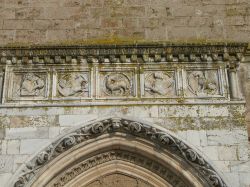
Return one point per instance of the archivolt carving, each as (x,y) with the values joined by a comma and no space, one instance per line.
(119,179)
(127,156)
(165,140)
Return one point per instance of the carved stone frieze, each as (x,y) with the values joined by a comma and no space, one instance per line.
(203,83)
(121,72)
(164,140)
(73,84)
(159,83)
(29,85)
(116,84)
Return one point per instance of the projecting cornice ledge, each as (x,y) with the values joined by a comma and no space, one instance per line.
(134,53)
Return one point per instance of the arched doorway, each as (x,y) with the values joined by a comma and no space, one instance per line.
(118,152)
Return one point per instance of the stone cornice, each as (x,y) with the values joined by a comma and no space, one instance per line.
(134,53)
(248,54)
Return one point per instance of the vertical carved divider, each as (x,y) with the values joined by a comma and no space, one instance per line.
(1,84)
(234,89)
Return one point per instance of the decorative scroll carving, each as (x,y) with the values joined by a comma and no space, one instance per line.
(32,85)
(122,155)
(159,83)
(117,84)
(203,83)
(166,141)
(73,84)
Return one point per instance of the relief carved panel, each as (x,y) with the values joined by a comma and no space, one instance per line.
(122,82)
(73,84)
(159,84)
(116,84)
(29,85)
(203,83)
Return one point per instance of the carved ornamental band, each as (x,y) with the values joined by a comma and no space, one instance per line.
(165,141)
(167,73)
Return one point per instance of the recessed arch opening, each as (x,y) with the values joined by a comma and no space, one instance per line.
(118,146)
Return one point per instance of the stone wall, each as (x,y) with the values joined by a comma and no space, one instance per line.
(220,133)
(39,21)
(105,21)
(214,133)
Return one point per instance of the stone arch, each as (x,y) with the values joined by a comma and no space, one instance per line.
(121,147)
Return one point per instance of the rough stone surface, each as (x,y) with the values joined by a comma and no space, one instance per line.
(6,164)
(218,131)
(37,22)
(26,148)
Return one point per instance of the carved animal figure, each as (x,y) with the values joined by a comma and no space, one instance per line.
(117,84)
(204,84)
(158,83)
(31,85)
(70,86)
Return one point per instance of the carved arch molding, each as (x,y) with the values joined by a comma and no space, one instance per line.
(126,150)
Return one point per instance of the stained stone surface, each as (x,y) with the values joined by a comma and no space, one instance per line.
(120,180)
(37,22)
(217,130)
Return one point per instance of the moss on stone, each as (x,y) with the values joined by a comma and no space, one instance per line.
(115,40)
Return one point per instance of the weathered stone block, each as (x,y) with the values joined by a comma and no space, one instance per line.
(211,152)
(19,160)
(193,137)
(38,144)
(243,152)
(7,13)
(28,132)
(232,178)
(146,111)
(18,24)
(54,132)
(227,153)
(226,137)
(178,111)
(35,35)
(240,166)
(6,163)
(2,133)
(5,177)
(29,13)
(223,166)
(74,120)
(13,147)
(244,179)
